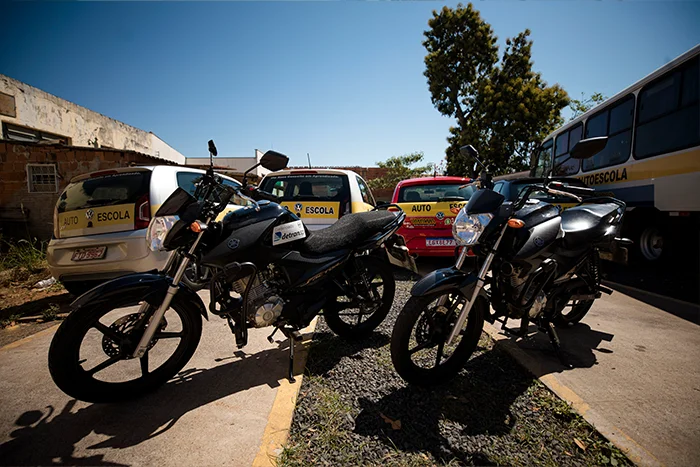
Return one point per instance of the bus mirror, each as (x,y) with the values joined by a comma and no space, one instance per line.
(588,147)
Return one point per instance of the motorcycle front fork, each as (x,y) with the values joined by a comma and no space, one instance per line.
(462,318)
(157,317)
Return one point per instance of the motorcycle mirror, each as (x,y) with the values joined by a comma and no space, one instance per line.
(274,161)
(588,147)
(212,148)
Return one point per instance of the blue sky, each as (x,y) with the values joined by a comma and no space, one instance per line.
(341,81)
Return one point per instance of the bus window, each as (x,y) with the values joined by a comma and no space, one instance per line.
(543,159)
(669,115)
(615,122)
(563,144)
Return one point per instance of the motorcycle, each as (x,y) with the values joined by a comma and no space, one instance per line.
(132,334)
(534,263)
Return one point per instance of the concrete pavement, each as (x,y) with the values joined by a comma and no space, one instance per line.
(636,376)
(214,412)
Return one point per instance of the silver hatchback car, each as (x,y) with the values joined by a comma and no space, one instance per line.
(100,223)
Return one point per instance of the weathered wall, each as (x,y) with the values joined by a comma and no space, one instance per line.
(70,161)
(40,110)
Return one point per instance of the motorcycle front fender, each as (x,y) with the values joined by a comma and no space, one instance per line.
(442,280)
(146,286)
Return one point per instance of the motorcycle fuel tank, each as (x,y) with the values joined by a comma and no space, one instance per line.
(542,228)
(244,230)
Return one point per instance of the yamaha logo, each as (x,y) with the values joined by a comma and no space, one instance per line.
(233,243)
(297,207)
(89,213)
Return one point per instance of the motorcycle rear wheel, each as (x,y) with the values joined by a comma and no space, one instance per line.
(93,327)
(381,280)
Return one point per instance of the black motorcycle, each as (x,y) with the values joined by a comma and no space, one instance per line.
(543,265)
(129,335)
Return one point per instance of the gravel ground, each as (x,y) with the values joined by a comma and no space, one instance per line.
(353,409)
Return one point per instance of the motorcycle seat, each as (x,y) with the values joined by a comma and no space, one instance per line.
(588,223)
(349,230)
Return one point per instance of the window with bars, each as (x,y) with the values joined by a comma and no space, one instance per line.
(41,178)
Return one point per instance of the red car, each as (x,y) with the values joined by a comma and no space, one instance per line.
(431,204)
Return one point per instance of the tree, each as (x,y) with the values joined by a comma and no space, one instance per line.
(502,107)
(583,105)
(399,168)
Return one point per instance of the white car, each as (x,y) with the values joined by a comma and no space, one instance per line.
(100,222)
(319,196)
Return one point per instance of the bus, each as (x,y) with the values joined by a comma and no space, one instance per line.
(651,161)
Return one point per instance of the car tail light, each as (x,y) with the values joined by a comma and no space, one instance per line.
(142,216)
(345,208)
(56,229)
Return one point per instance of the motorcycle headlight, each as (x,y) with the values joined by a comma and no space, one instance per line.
(157,231)
(467,228)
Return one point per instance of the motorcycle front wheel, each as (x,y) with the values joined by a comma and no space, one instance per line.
(90,354)
(419,350)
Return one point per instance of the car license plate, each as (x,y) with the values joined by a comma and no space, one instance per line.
(86,254)
(440,242)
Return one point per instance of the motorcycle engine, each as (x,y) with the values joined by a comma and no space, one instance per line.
(513,280)
(264,305)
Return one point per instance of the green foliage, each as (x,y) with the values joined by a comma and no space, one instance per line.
(23,253)
(581,106)
(400,168)
(50,313)
(503,108)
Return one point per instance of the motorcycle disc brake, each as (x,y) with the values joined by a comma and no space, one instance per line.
(124,326)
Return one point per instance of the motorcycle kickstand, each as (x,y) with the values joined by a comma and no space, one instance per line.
(292,342)
(556,343)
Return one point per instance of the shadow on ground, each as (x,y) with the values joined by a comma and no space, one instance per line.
(477,402)
(49,435)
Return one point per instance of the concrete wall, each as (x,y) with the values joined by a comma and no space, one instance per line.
(42,111)
(70,161)
(163,150)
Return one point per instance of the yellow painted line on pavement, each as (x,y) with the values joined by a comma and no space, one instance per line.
(633,450)
(280,419)
(15,344)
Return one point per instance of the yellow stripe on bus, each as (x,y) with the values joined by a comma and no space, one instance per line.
(121,215)
(645,169)
(313,209)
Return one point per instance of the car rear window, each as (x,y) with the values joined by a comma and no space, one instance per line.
(434,192)
(105,190)
(308,187)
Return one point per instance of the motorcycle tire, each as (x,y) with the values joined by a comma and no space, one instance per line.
(193,285)
(577,313)
(443,372)
(375,267)
(65,365)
